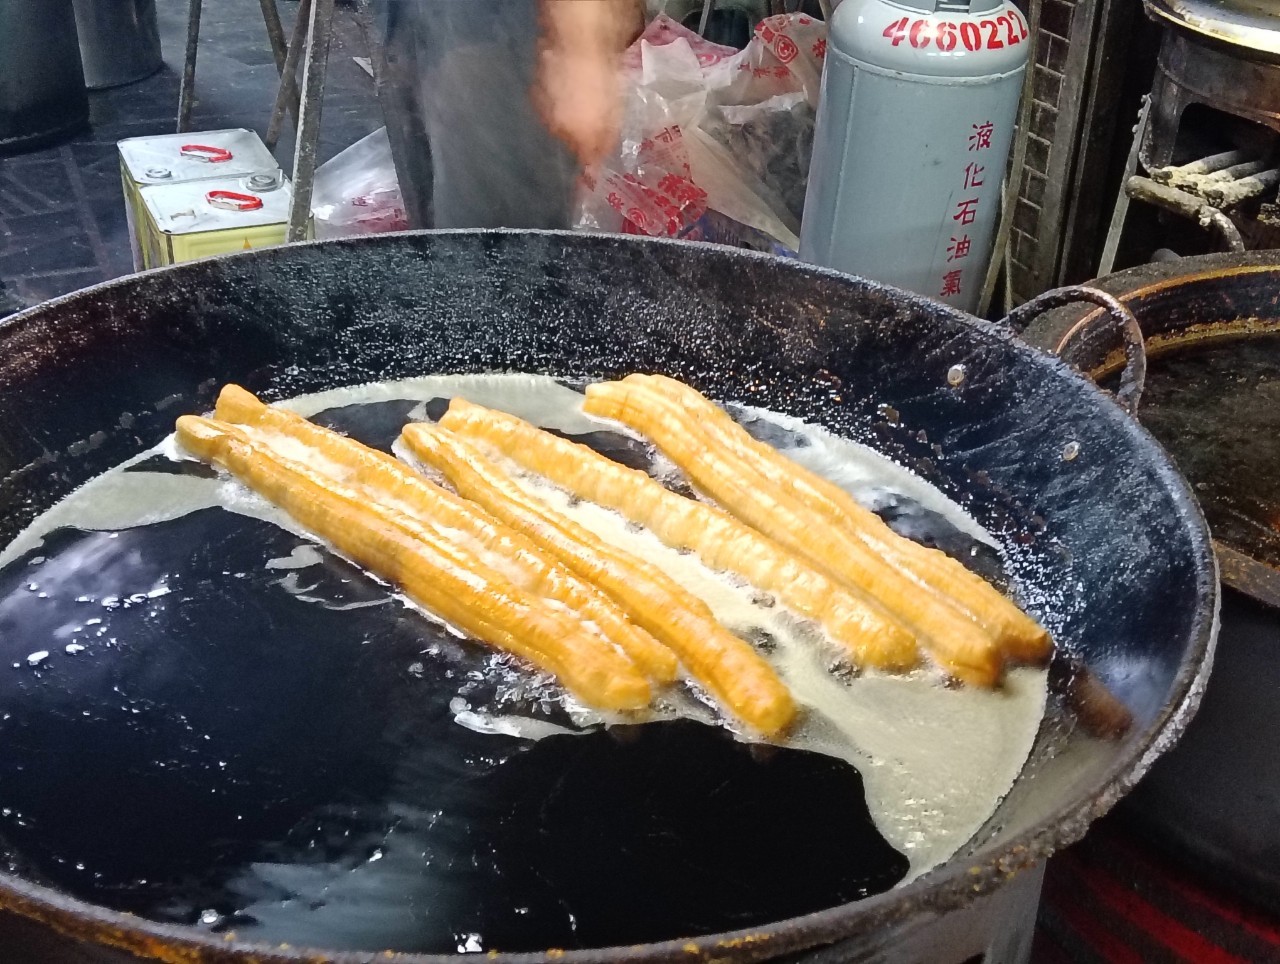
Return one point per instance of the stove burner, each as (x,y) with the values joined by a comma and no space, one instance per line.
(1246,24)
(1224,180)
(1207,146)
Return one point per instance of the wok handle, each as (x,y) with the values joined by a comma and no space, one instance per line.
(1114,312)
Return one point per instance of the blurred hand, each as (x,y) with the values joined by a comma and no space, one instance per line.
(577,90)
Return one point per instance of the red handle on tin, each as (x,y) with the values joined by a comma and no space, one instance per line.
(233,200)
(214,155)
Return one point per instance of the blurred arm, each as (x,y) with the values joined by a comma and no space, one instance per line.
(577,90)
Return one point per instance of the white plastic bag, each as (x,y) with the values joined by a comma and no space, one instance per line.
(715,142)
(356,191)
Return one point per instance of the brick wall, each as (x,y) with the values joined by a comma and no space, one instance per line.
(1028,243)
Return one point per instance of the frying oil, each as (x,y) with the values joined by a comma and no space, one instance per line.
(934,761)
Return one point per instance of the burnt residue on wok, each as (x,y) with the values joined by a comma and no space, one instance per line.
(1108,544)
(386,824)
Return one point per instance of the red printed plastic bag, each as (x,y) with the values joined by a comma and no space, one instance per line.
(356,191)
(708,129)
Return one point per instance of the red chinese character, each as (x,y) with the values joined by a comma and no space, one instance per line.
(980,139)
(682,189)
(760,72)
(959,248)
(973,175)
(782,73)
(966,211)
(950,284)
(820,49)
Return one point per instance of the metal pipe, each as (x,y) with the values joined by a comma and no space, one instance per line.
(186,92)
(280,52)
(313,77)
(1188,206)
(1237,171)
(1245,189)
(1120,213)
(1206,165)
(297,42)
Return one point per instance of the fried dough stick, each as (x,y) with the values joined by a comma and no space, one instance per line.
(1020,636)
(958,644)
(472,597)
(743,682)
(871,637)
(387,482)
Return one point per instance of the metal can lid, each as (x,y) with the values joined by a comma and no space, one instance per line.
(263,182)
(195,155)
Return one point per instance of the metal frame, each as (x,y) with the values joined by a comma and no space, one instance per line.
(309,43)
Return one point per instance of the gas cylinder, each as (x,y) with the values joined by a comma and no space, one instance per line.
(919,99)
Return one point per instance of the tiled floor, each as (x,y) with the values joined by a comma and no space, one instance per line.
(62,220)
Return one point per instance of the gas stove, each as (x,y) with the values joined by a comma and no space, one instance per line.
(1207,147)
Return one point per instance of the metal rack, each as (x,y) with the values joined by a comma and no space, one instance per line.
(309,43)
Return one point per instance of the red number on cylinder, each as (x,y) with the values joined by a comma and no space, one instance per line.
(1010,37)
(920,33)
(993,35)
(1022,22)
(946,36)
(896,31)
(971,35)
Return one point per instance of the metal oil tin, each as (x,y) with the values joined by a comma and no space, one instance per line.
(182,222)
(171,159)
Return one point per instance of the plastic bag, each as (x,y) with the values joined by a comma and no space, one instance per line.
(356,191)
(715,142)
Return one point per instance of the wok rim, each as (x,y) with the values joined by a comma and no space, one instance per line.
(950,886)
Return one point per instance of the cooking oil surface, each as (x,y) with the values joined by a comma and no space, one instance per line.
(214,720)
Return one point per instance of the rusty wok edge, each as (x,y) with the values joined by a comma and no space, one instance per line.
(949,887)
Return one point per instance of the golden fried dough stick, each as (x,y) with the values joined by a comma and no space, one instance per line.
(386,481)
(744,683)
(1020,636)
(472,597)
(957,643)
(871,636)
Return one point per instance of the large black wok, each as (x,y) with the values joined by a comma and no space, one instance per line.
(1102,537)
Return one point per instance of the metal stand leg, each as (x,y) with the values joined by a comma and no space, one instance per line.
(313,77)
(275,32)
(1121,211)
(186,93)
(280,51)
(288,72)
